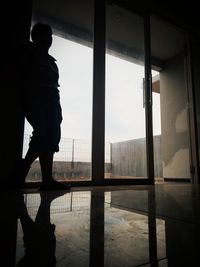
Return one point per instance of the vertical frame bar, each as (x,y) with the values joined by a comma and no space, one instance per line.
(153,257)
(98,120)
(148,100)
(192,117)
(97,214)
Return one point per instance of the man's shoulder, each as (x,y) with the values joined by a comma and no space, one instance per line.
(52,58)
(25,48)
(29,46)
(26,45)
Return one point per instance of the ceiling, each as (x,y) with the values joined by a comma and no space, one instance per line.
(74,19)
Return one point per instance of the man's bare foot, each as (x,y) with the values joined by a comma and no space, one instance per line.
(54,185)
(49,196)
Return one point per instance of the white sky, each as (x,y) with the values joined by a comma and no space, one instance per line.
(125,117)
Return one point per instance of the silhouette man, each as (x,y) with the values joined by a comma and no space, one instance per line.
(41,102)
(39,235)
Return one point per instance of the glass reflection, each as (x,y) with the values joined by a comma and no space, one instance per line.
(39,239)
(64,213)
(99,228)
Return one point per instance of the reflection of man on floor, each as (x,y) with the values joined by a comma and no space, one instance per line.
(39,235)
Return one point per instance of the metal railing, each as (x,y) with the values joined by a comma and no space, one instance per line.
(72,150)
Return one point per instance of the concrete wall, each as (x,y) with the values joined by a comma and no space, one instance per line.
(174,120)
(128,158)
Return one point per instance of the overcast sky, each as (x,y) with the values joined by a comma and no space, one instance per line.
(125,115)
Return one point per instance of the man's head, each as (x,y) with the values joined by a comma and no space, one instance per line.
(41,35)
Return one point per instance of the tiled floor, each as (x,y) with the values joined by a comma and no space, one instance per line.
(104,226)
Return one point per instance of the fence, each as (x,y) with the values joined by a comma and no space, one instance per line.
(122,159)
(72,150)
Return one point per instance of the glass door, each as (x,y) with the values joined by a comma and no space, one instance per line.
(126,97)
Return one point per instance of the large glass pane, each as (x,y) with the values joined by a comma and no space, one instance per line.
(170,104)
(125,131)
(72,24)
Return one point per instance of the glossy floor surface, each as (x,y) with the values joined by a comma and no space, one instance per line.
(103,226)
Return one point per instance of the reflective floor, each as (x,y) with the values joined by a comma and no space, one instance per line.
(104,226)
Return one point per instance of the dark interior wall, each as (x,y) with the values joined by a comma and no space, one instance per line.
(15,24)
(15,31)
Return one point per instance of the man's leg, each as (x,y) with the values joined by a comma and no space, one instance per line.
(48,183)
(23,166)
(31,156)
(46,163)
